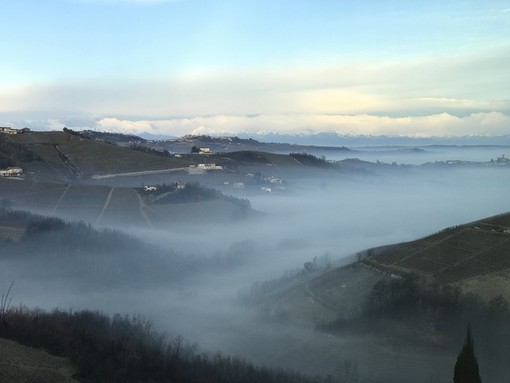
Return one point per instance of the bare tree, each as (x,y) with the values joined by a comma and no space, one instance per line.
(5,302)
(348,371)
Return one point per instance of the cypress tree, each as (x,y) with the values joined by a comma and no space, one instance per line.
(466,367)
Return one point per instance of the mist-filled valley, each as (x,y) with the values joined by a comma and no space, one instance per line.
(245,275)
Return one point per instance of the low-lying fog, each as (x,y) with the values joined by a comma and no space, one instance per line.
(423,154)
(335,217)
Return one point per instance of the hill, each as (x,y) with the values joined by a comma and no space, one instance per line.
(126,206)
(235,144)
(410,302)
(83,259)
(476,250)
(63,155)
(19,363)
(118,349)
(473,257)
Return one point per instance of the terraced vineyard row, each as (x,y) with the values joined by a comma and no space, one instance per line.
(342,289)
(96,204)
(454,254)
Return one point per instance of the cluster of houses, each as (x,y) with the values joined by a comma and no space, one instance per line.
(11,172)
(503,160)
(211,166)
(152,188)
(7,130)
(274,180)
(201,150)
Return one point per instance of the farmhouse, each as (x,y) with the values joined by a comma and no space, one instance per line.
(11,172)
(503,160)
(8,130)
(274,180)
(212,166)
(204,150)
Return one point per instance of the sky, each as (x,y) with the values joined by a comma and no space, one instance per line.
(175,67)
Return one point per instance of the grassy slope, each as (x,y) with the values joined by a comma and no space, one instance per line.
(111,206)
(478,249)
(92,157)
(24,364)
(393,350)
(475,257)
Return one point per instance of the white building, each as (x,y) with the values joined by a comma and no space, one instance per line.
(11,172)
(503,160)
(8,130)
(210,166)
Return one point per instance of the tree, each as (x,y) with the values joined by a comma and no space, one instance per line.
(348,372)
(466,367)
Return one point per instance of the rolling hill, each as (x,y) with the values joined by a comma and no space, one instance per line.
(474,257)
(401,309)
(454,255)
(20,363)
(68,155)
(126,206)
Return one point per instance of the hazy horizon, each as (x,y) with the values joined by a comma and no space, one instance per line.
(211,67)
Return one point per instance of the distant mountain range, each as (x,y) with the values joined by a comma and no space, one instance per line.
(215,144)
(285,142)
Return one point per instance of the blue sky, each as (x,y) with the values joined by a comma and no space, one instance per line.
(175,67)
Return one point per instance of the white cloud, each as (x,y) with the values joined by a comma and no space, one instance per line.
(414,97)
(443,124)
(125,126)
(439,125)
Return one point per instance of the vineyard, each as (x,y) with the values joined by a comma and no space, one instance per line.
(69,154)
(454,254)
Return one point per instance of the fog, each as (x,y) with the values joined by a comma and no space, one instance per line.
(418,155)
(331,217)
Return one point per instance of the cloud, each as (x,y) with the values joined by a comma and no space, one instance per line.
(423,97)
(121,126)
(443,124)
(432,125)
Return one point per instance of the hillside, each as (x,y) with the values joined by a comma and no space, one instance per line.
(216,144)
(118,349)
(400,309)
(70,156)
(472,256)
(19,363)
(109,205)
(479,249)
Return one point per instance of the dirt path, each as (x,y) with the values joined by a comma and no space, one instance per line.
(134,174)
(105,205)
(142,211)
(60,199)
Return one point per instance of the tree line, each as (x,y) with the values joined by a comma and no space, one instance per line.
(13,154)
(127,349)
(423,310)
